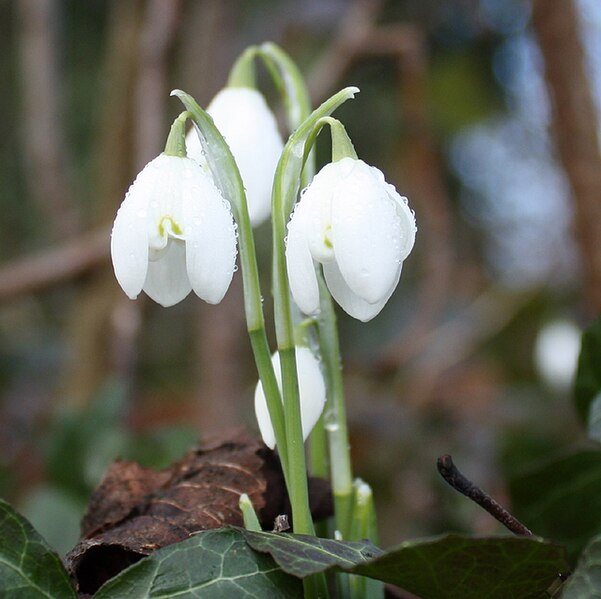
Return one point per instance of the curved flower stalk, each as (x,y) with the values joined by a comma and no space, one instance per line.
(312,391)
(174,233)
(242,116)
(359,228)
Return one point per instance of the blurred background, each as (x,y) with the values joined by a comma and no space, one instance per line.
(483,112)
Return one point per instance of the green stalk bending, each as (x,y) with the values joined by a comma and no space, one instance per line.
(285,190)
(227,178)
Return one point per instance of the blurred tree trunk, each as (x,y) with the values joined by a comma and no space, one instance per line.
(575,127)
(90,331)
(41,119)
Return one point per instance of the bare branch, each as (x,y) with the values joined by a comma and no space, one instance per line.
(52,266)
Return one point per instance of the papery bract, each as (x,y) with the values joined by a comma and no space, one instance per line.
(359,228)
(312,391)
(174,233)
(250,130)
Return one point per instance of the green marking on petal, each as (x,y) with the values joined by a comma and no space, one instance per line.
(174,228)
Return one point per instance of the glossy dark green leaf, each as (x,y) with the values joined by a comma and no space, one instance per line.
(585,582)
(29,569)
(212,564)
(446,567)
(561,499)
(588,376)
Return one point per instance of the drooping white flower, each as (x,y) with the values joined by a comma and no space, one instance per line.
(174,233)
(359,228)
(312,391)
(250,130)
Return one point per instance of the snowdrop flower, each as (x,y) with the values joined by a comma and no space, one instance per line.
(250,129)
(312,390)
(359,228)
(174,233)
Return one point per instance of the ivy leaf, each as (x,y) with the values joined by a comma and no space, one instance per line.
(588,375)
(211,564)
(29,569)
(561,499)
(585,582)
(446,567)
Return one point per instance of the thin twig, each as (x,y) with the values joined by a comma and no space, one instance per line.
(460,483)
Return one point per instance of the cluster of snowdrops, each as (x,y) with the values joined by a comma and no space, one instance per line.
(340,233)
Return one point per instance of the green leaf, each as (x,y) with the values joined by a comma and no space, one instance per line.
(561,499)
(585,582)
(303,555)
(445,567)
(56,515)
(28,567)
(588,374)
(214,563)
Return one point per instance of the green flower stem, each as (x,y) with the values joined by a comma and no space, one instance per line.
(227,178)
(340,459)
(251,522)
(364,526)
(288,81)
(285,190)
(342,146)
(318,450)
(243,73)
(335,425)
(176,141)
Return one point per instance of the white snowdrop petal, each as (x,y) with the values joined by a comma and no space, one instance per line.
(311,387)
(299,264)
(351,303)
(312,392)
(316,199)
(263,419)
(407,225)
(129,238)
(261,410)
(244,119)
(210,237)
(366,234)
(167,280)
